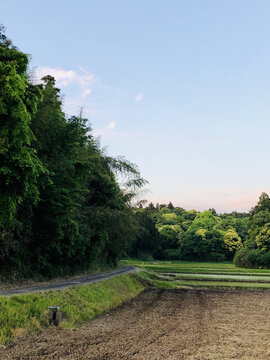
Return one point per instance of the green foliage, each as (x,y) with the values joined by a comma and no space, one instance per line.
(256,250)
(263,238)
(205,220)
(146,241)
(20,167)
(252,258)
(203,245)
(232,240)
(196,235)
(169,237)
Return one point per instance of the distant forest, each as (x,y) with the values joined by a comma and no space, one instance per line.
(172,233)
(62,209)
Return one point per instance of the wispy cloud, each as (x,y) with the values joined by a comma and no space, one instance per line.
(63,77)
(106,131)
(139,97)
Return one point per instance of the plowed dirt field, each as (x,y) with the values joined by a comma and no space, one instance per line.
(186,324)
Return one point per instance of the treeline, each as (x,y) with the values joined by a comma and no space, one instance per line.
(61,208)
(172,233)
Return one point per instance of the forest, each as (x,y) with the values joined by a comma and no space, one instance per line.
(172,233)
(62,208)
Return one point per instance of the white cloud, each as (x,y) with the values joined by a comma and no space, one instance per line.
(67,77)
(112,125)
(86,92)
(139,97)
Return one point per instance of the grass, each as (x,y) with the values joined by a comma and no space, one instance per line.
(22,314)
(195,267)
(177,274)
(154,280)
(218,277)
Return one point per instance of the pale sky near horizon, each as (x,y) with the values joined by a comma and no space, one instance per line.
(179,87)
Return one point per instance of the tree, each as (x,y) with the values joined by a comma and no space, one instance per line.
(20,167)
(170,206)
(169,237)
(263,238)
(256,250)
(147,240)
(203,244)
(232,240)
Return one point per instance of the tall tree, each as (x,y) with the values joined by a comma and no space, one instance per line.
(19,164)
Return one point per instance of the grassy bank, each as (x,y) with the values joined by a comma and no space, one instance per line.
(22,314)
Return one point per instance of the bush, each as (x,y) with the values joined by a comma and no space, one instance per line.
(252,258)
(172,254)
(241,258)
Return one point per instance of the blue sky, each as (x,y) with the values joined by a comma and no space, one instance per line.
(180,87)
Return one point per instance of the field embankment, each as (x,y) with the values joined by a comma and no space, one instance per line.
(21,314)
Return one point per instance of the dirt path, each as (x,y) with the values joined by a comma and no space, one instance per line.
(188,325)
(60,285)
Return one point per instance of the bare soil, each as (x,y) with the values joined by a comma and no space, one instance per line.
(186,324)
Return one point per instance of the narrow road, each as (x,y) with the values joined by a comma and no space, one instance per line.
(60,285)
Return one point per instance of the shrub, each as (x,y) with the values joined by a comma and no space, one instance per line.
(252,258)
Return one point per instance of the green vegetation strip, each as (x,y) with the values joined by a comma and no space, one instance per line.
(195,267)
(218,277)
(22,314)
(155,281)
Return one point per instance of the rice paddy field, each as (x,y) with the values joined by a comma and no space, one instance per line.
(201,274)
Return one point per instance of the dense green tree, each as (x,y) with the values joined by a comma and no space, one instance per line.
(147,242)
(20,167)
(203,244)
(232,240)
(19,164)
(83,215)
(169,237)
(256,250)
(263,238)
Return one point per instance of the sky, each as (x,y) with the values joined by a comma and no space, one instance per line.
(179,87)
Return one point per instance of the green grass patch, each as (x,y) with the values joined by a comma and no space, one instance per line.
(21,314)
(195,267)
